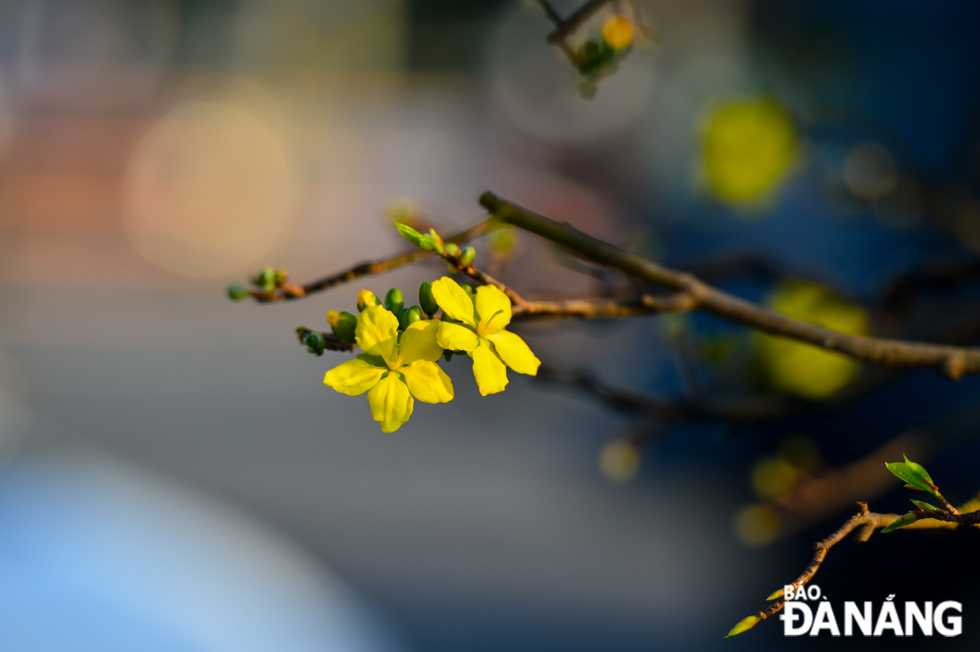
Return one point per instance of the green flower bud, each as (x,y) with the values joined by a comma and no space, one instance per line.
(315,343)
(467,256)
(426,300)
(452,249)
(409,316)
(237,291)
(394,301)
(346,327)
(468,289)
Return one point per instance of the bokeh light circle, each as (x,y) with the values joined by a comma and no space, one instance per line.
(206,191)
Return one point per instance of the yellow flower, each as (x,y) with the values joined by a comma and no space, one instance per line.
(393,370)
(481,334)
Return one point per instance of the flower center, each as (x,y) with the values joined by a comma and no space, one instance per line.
(394,364)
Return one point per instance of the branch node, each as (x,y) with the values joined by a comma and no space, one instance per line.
(954,366)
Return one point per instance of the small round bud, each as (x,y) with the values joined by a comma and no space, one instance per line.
(427,300)
(468,289)
(346,327)
(366,298)
(314,342)
(266,279)
(617,32)
(409,316)
(466,256)
(237,291)
(333,317)
(394,301)
(452,249)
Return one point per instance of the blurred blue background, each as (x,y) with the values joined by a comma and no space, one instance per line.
(176,477)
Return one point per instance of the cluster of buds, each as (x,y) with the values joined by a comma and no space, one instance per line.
(267,281)
(599,56)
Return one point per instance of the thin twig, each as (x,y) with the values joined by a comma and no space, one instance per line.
(951,361)
(573,22)
(867,522)
(371,267)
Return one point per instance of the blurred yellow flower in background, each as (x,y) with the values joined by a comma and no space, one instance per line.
(749,148)
(802,369)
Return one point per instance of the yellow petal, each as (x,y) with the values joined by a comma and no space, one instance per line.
(489,302)
(377,332)
(515,353)
(419,342)
(456,338)
(453,300)
(489,371)
(391,404)
(354,377)
(427,382)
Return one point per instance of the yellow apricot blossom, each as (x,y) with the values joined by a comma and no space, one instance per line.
(480,332)
(393,370)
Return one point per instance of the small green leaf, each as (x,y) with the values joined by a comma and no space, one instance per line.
(912,475)
(777,594)
(437,242)
(925,507)
(919,470)
(901,521)
(743,625)
(409,234)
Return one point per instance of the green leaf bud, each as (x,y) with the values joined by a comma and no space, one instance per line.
(394,301)
(426,300)
(411,235)
(743,625)
(440,246)
(237,291)
(452,249)
(901,521)
(409,316)
(346,327)
(466,256)
(925,507)
(266,279)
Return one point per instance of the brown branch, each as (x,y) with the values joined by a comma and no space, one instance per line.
(573,22)
(369,268)
(604,308)
(330,341)
(951,361)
